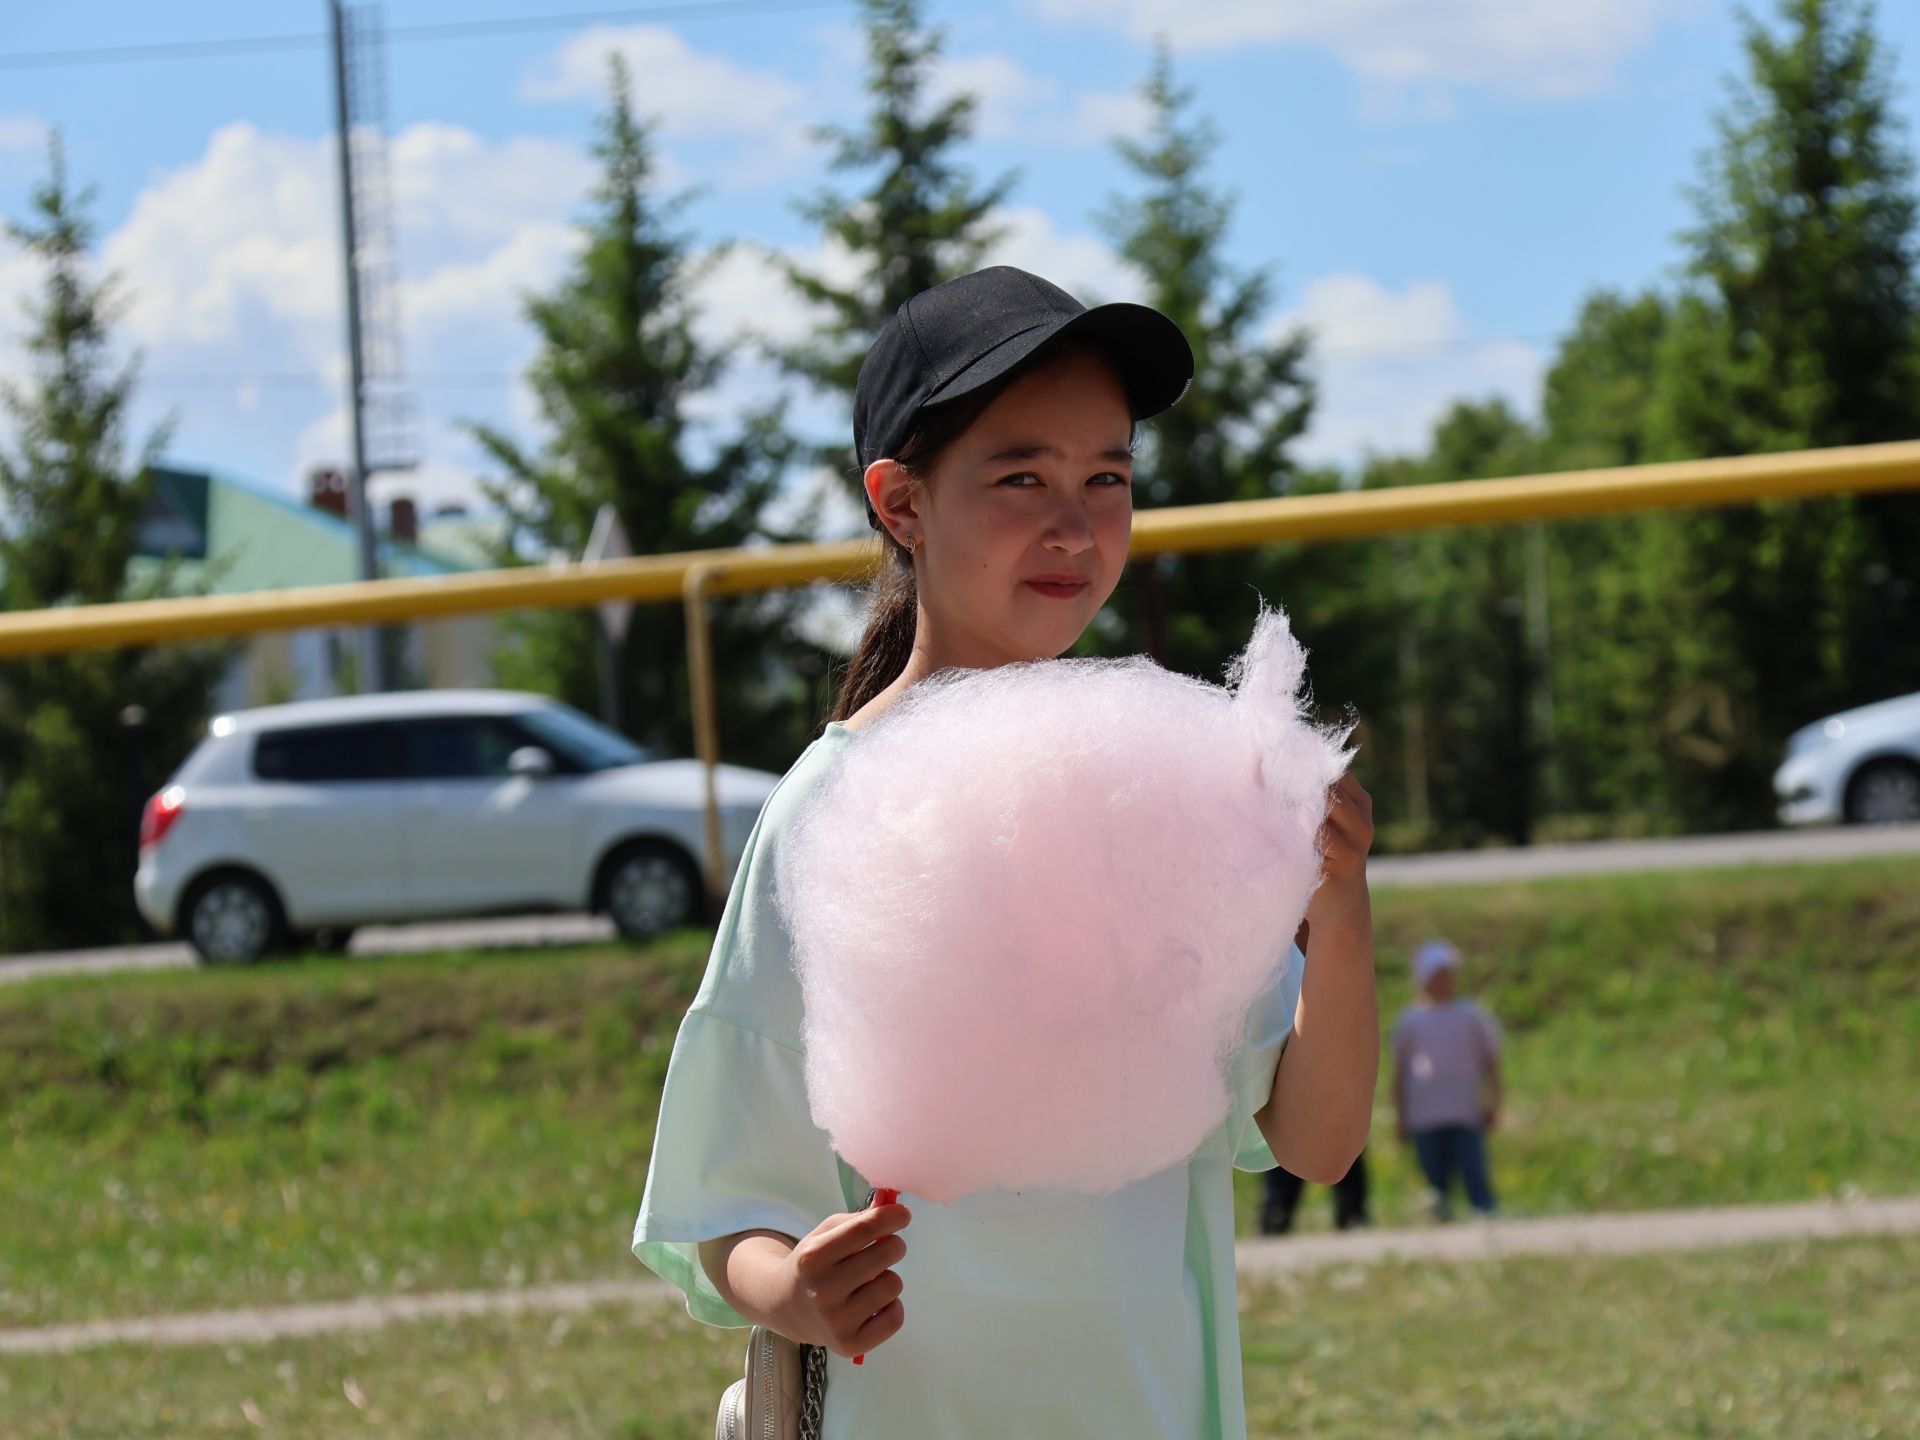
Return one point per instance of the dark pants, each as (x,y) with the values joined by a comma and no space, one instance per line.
(1449,1149)
(1283,1198)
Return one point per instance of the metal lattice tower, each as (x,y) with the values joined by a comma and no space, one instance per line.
(387,407)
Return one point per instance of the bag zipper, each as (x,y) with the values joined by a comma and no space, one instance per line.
(768,1422)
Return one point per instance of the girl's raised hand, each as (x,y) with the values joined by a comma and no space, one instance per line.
(844,1293)
(1345,838)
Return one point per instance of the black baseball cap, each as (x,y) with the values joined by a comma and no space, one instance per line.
(951,340)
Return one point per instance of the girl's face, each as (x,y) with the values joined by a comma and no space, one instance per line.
(1024,523)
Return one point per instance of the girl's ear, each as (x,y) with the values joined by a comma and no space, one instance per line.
(893,492)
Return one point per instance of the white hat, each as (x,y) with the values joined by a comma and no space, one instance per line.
(1432,957)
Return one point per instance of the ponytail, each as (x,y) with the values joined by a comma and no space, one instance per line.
(887,642)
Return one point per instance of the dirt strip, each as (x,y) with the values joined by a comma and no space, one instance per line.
(1640,1232)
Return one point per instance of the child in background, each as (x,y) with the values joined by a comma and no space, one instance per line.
(1446,1081)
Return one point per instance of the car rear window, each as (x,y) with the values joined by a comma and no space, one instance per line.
(326,753)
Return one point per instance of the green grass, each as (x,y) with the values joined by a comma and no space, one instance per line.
(1704,1038)
(316,1131)
(207,1139)
(1801,1341)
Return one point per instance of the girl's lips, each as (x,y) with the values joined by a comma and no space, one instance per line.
(1059,590)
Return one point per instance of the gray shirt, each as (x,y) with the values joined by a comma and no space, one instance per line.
(1444,1051)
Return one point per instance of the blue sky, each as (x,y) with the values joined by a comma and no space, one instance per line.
(1435,183)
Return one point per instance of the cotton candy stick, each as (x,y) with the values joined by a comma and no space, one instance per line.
(877,1197)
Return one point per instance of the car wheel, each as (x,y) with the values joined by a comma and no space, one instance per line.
(650,888)
(1885,792)
(233,919)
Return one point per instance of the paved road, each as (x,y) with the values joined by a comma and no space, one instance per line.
(1639,1233)
(1613,857)
(1465,867)
(515,932)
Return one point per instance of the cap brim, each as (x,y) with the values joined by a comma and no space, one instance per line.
(1153,357)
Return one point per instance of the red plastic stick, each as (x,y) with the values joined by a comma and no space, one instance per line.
(878,1197)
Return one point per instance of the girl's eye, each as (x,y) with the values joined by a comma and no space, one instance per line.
(1106,480)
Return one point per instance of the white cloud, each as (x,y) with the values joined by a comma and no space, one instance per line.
(22,134)
(239,243)
(474,307)
(1014,103)
(1545,48)
(746,295)
(692,94)
(454,189)
(1110,114)
(232,269)
(1074,260)
(1390,362)
(1009,99)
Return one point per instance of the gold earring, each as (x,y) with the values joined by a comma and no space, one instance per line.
(912,542)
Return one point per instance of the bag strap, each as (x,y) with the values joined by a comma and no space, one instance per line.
(813,1360)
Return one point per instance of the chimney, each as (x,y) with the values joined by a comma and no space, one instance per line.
(327,490)
(403,521)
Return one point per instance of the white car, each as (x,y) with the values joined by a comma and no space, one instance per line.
(290,825)
(1861,766)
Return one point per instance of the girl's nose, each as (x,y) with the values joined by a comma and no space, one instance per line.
(1070,532)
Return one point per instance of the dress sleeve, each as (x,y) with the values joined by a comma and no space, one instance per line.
(735,1147)
(1269,1025)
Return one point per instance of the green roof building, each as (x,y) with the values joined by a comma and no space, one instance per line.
(229,536)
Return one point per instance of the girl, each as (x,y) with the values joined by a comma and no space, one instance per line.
(994,418)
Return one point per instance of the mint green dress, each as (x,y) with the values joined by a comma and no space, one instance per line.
(1044,1313)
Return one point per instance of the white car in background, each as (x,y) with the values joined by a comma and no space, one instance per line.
(1860,766)
(292,824)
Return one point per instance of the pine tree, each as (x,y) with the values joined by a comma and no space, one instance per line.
(618,368)
(920,220)
(1228,437)
(83,736)
(1801,328)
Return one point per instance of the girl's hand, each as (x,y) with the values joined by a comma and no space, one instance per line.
(843,1293)
(1345,838)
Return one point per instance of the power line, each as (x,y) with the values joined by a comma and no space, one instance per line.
(399,34)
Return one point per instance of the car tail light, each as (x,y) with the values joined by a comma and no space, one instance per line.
(162,810)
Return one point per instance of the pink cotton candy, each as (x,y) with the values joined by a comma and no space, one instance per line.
(1032,906)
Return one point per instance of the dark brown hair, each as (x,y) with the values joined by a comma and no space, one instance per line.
(887,643)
